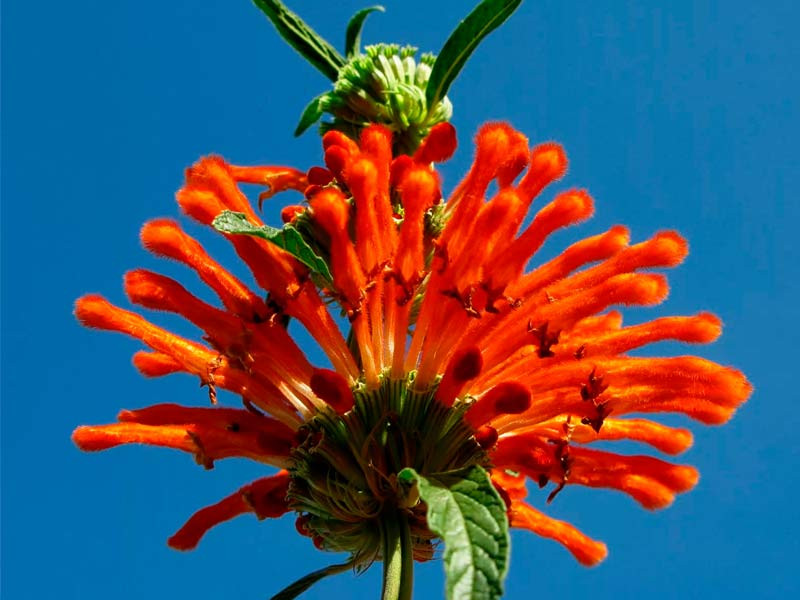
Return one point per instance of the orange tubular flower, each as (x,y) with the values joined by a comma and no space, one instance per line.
(457,357)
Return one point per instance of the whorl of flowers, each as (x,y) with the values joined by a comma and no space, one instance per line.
(463,375)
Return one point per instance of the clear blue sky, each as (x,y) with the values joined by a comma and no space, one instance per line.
(674,114)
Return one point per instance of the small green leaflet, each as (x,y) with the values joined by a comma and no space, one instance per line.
(302,584)
(465,509)
(485,18)
(311,114)
(287,238)
(352,38)
(302,38)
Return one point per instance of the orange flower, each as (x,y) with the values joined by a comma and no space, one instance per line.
(456,356)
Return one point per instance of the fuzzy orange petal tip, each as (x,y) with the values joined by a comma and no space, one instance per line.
(587,551)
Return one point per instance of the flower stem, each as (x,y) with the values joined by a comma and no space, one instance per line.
(398,559)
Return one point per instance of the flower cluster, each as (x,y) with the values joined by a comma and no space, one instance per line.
(385,85)
(456,355)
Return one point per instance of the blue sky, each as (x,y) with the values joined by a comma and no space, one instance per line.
(674,115)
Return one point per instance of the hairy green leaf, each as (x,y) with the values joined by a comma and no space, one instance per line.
(302,584)
(287,238)
(302,38)
(311,114)
(466,511)
(352,38)
(485,18)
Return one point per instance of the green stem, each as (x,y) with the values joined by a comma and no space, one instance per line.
(398,558)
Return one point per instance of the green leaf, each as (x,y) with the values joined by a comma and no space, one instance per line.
(352,39)
(287,238)
(466,511)
(485,18)
(302,38)
(311,114)
(302,584)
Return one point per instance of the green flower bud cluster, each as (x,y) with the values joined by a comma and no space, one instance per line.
(385,85)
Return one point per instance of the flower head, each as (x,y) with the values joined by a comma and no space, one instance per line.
(457,356)
(462,376)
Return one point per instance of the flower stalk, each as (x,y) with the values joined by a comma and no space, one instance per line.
(398,559)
